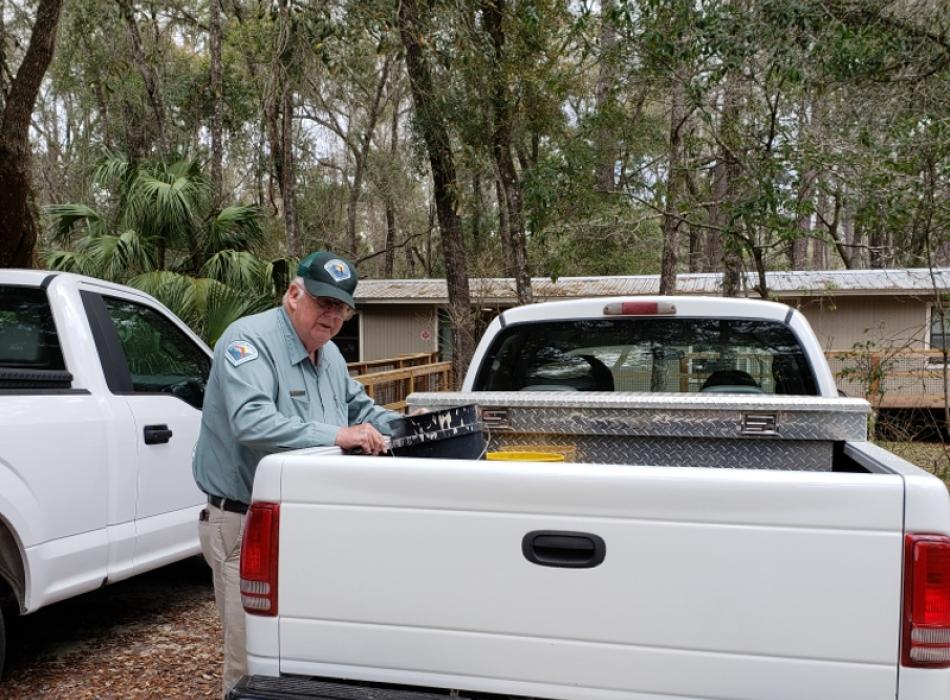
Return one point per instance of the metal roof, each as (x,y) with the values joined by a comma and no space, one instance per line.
(781,284)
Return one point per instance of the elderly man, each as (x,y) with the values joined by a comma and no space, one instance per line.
(277,383)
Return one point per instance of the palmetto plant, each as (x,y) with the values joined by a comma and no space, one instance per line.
(163,237)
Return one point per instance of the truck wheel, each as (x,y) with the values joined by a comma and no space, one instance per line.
(3,642)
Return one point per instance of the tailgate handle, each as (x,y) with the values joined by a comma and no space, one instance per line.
(568,550)
(157,434)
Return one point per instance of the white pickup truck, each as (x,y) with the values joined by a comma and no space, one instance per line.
(722,528)
(100,404)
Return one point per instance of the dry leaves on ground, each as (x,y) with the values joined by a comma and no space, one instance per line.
(154,636)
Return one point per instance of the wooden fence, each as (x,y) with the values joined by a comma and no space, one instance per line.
(391,387)
(891,378)
(389,363)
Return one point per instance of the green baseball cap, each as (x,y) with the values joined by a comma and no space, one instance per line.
(328,275)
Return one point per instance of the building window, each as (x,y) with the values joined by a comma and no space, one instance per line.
(939,328)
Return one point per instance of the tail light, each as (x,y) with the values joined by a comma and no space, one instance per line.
(259,559)
(926,601)
(639,308)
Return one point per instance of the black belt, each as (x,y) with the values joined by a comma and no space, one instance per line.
(225,504)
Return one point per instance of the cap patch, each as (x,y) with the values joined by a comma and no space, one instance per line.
(338,269)
(240,351)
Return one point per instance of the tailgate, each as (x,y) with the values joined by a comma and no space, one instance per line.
(714,583)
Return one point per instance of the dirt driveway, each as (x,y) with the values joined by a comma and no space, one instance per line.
(156,635)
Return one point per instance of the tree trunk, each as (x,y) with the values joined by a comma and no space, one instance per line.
(18,216)
(360,152)
(674,187)
(445,186)
(606,140)
(352,201)
(799,249)
(217,108)
(877,254)
(819,255)
(288,188)
(834,231)
(278,118)
(390,204)
(501,143)
(504,231)
(723,242)
(148,76)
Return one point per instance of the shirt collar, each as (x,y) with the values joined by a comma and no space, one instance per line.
(296,352)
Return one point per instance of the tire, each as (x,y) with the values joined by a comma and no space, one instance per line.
(3,642)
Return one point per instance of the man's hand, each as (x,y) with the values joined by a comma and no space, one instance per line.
(363,436)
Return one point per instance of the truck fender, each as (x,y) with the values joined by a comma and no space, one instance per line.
(20,524)
(12,571)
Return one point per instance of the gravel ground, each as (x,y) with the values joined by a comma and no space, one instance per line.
(154,636)
(158,635)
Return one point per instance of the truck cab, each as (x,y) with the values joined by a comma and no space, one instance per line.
(101,390)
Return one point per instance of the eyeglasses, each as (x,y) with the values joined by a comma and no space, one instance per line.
(333,306)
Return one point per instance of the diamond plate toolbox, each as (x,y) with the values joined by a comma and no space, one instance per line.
(768,432)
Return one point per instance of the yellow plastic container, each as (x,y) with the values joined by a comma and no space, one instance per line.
(513,456)
(568,452)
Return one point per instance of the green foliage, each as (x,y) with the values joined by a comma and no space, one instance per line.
(207,305)
(836,127)
(167,211)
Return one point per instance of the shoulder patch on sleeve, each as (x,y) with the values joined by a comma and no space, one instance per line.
(240,351)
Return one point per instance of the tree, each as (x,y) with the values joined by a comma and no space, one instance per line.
(18,218)
(438,146)
(217,104)
(167,239)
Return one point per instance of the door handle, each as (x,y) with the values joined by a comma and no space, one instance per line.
(567,550)
(157,434)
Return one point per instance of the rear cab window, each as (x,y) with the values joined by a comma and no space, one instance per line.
(28,339)
(675,355)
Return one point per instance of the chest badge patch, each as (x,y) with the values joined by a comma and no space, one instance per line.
(240,351)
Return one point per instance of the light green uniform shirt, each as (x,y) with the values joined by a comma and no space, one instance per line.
(265,395)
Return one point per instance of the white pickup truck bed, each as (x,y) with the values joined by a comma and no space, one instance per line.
(716,583)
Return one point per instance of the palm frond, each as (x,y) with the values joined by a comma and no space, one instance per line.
(238,269)
(173,290)
(220,305)
(113,167)
(168,201)
(65,261)
(206,305)
(236,227)
(66,218)
(118,257)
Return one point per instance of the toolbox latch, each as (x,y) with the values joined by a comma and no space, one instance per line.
(759,424)
(496,418)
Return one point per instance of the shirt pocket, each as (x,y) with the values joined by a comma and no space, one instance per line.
(299,403)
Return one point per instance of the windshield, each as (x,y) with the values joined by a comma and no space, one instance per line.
(677,355)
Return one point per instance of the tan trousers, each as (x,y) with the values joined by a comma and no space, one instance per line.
(220,536)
